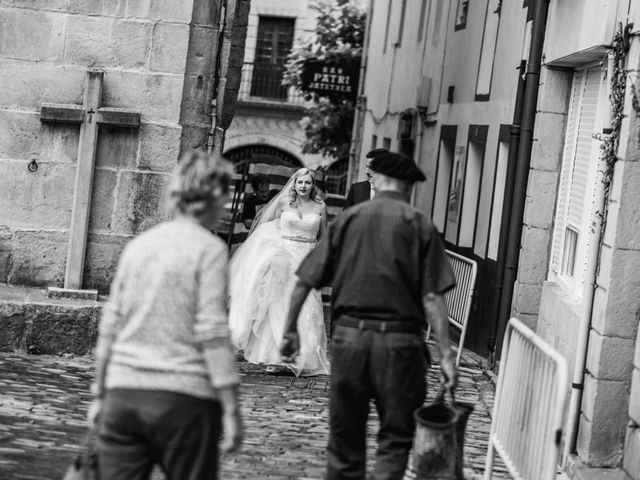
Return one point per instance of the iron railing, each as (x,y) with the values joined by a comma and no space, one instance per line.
(262,83)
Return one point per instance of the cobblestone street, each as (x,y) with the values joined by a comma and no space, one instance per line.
(43,403)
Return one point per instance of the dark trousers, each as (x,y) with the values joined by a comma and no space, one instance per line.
(140,428)
(388,368)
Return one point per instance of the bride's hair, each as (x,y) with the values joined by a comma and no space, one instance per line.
(293,195)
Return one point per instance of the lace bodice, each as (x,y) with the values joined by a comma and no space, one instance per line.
(294,225)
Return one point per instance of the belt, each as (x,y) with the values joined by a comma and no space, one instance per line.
(379,325)
(299,239)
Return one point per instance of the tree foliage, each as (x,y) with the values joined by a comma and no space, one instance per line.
(338,37)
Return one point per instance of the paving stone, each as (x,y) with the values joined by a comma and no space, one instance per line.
(44,399)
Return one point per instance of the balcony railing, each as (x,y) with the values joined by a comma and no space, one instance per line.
(263,83)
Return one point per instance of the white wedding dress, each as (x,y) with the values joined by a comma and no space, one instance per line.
(262,277)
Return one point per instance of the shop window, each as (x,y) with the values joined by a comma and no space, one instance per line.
(472,182)
(443,175)
(498,193)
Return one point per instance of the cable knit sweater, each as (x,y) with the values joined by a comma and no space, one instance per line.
(165,324)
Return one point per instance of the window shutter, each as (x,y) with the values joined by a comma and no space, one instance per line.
(584,146)
(579,144)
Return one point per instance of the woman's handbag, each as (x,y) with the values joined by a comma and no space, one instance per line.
(85,465)
(439,439)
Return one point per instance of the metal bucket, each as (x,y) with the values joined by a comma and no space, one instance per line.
(463,409)
(435,446)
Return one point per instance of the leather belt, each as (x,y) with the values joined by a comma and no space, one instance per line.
(379,325)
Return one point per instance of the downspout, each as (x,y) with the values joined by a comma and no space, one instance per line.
(360,106)
(522,169)
(217,48)
(512,159)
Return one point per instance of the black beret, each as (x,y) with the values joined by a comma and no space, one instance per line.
(375,152)
(397,165)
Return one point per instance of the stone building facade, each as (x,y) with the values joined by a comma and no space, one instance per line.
(267,120)
(158,59)
(577,285)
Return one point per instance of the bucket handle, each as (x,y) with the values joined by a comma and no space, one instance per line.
(440,398)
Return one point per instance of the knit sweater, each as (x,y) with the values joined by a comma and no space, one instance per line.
(165,324)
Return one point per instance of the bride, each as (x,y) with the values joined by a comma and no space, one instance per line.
(262,277)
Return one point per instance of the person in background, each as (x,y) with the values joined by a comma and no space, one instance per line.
(166,383)
(255,201)
(389,273)
(363,191)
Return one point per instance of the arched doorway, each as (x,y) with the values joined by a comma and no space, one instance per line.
(261,154)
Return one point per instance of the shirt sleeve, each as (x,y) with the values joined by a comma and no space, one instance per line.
(211,329)
(316,270)
(436,270)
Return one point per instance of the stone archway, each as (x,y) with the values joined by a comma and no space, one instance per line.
(262,153)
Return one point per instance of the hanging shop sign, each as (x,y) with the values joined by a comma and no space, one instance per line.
(330,78)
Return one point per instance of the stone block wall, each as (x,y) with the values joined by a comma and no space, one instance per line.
(544,174)
(46,48)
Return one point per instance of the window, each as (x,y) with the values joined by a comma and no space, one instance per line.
(386,143)
(274,42)
(488,50)
(443,175)
(421,19)
(499,183)
(386,30)
(461,14)
(374,142)
(472,182)
(577,181)
(403,12)
(454,196)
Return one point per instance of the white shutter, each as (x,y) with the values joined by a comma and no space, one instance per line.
(584,145)
(567,167)
(576,159)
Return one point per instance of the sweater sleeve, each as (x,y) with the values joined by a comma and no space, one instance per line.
(211,328)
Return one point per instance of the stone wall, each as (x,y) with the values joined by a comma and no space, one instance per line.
(45,50)
(544,173)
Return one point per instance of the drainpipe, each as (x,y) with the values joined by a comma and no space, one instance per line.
(514,142)
(361,104)
(217,49)
(591,271)
(524,160)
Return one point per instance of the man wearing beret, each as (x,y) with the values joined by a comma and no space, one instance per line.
(362,191)
(388,270)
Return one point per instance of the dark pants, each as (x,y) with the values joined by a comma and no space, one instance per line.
(140,428)
(388,368)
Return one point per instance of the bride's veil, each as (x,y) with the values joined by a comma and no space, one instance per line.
(270,211)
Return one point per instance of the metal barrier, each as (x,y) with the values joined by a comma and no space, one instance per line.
(530,401)
(459,298)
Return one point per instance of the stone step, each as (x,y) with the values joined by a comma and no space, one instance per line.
(31,322)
